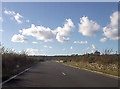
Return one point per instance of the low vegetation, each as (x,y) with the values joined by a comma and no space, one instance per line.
(106,63)
(13,63)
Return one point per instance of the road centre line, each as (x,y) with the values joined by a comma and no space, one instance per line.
(63,73)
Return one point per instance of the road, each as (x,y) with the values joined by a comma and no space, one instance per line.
(52,74)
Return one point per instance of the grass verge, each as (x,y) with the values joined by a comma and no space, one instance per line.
(115,73)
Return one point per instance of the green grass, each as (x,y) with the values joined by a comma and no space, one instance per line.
(115,73)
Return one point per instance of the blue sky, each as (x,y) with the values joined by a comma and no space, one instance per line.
(72,36)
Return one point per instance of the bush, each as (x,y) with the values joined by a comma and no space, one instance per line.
(14,63)
(91,59)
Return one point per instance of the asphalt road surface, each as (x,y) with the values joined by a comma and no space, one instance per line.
(52,74)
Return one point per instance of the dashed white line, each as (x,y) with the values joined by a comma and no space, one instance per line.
(116,77)
(63,73)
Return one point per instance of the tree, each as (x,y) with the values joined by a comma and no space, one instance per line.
(107,51)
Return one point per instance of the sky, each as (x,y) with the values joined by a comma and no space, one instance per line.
(59,28)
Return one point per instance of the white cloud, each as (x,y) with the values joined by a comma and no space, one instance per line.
(111,30)
(39,32)
(9,12)
(27,20)
(31,51)
(88,27)
(103,39)
(61,38)
(18,38)
(71,48)
(1,30)
(35,42)
(50,47)
(111,33)
(45,46)
(66,30)
(93,48)
(80,42)
(19,52)
(13,50)
(46,34)
(17,18)
(114,19)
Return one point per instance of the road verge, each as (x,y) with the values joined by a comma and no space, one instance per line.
(90,70)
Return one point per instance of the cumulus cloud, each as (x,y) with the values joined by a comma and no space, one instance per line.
(46,34)
(80,42)
(18,38)
(39,32)
(103,39)
(66,30)
(111,30)
(61,38)
(31,51)
(35,42)
(16,16)
(88,27)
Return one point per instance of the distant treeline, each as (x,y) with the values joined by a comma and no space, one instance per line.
(91,58)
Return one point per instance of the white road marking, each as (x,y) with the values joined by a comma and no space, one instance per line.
(63,73)
(108,75)
(14,76)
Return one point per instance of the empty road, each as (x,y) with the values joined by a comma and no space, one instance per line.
(52,74)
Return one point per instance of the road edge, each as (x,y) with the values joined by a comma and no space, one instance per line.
(108,75)
(14,76)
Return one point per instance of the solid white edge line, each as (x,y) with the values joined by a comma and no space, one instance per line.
(14,76)
(104,74)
